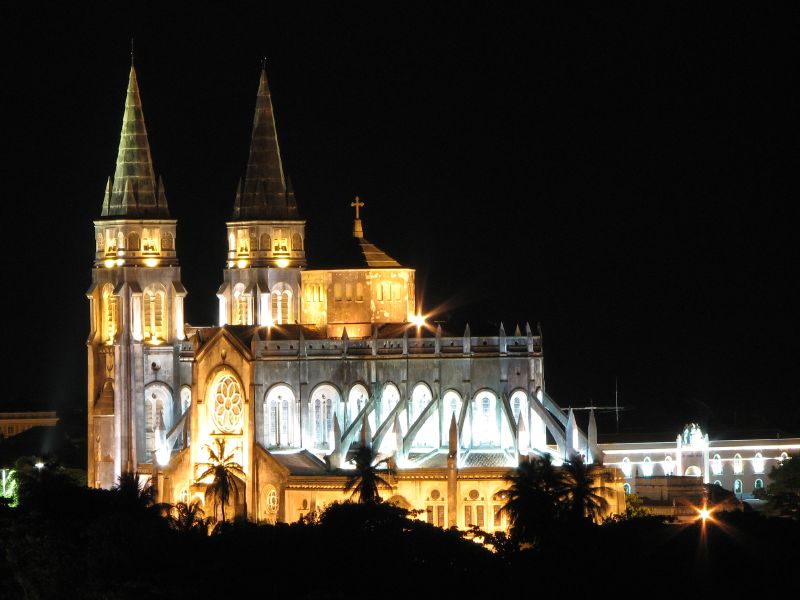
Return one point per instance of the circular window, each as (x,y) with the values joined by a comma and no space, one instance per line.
(228,405)
(474,495)
(435,495)
(272,501)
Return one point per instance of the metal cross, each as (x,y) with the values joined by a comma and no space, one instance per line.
(358,204)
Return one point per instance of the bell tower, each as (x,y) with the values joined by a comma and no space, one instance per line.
(265,236)
(136,313)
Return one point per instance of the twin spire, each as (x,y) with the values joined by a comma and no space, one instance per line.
(134,193)
(265,194)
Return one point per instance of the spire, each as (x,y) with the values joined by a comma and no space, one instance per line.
(133,190)
(264,194)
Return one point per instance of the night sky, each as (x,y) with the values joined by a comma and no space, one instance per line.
(626,178)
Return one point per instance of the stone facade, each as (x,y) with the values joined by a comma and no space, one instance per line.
(304,365)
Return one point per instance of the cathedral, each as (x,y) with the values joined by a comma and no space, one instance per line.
(304,364)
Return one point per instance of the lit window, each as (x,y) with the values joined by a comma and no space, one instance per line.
(668,465)
(348,291)
(389,399)
(484,419)
(241,306)
(737,486)
(625,467)
(278,407)
(359,292)
(626,487)
(759,484)
(452,406)
(783,457)
(110,313)
(281,305)
(154,321)
(322,403)
(356,401)
(716,464)
(272,501)
(693,471)
(427,435)
(737,463)
(718,482)
(281,243)
(227,404)
(186,399)
(758,463)
(647,466)
(337,292)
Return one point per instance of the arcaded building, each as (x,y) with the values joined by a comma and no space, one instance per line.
(304,364)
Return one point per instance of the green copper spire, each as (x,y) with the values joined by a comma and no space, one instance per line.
(133,192)
(264,195)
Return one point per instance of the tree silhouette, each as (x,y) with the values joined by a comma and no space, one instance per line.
(132,493)
(364,481)
(534,500)
(583,498)
(188,518)
(225,473)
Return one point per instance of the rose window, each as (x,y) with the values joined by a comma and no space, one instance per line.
(272,501)
(228,405)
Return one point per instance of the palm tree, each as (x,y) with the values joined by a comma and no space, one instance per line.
(583,499)
(364,481)
(132,493)
(534,499)
(225,473)
(188,518)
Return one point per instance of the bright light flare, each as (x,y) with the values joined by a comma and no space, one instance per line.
(282,263)
(151,262)
(418,320)
(242,263)
(704,514)
(39,465)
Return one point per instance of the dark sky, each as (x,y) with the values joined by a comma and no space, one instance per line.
(626,178)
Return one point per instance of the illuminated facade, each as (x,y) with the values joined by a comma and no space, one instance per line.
(740,466)
(303,366)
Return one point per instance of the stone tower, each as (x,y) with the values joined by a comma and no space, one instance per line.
(136,312)
(265,237)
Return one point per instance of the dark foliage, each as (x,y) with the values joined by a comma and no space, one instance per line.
(68,541)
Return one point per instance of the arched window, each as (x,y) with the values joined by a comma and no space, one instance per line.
(484,419)
(359,291)
(716,464)
(625,467)
(111,241)
(133,241)
(110,313)
(242,313)
(718,482)
(227,403)
(253,241)
(758,463)
(155,326)
(693,471)
(668,466)
(737,463)
(278,409)
(759,484)
(231,243)
(167,241)
(389,399)
(427,436)
(322,402)
(265,242)
(120,241)
(737,487)
(647,466)
(420,398)
(281,304)
(451,405)
(297,242)
(185,496)
(186,398)
(356,401)
(626,487)
(783,457)
(157,420)
(100,242)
